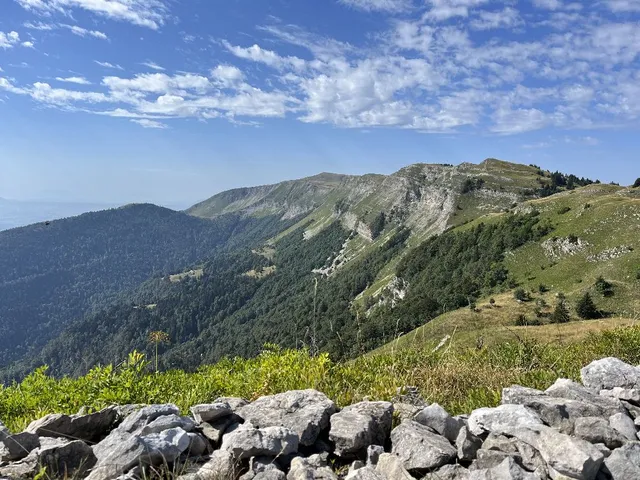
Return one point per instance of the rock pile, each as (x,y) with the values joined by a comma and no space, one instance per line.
(585,431)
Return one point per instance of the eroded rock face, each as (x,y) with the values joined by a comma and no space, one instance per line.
(305,412)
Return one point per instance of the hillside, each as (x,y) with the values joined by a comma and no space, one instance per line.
(339,264)
(52,273)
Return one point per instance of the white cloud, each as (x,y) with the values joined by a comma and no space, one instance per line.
(378,5)
(83,32)
(109,65)
(146,123)
(548,4)
(8,40)
(40,26)
(445,9)
(268,57)
(227,75)
(508,121)
(624,5)
(76,80)
(506,18)
(153,66)
(27,44)
(146,13)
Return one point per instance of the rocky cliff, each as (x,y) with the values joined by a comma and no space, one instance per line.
(579,431)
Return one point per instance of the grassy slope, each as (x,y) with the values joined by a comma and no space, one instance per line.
(611,220)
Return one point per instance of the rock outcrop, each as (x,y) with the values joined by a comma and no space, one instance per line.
(585,431)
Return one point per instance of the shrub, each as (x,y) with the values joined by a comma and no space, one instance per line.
(604,287)
(636,184)
(542,288)
(521,295)
(492,301)
(585,308)
(560,313)
(564,210)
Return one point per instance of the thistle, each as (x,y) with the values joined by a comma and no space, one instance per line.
(158,337)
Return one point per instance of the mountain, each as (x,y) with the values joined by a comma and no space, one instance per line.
(52,273)
(333,262)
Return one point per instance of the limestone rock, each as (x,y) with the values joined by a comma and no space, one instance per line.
(449,472)
(391,467)
(82,427)
(221,465)
(502,418)
(245,443)
(419,448)
(167,422)
(214,430)
(365,473)
(437,418)
(631,395)
(624,462)
(598,430)
(235,403)
(144,416)
(624,425)
(609,373)
(165,446)
(360,425)
(508,469)
(467,444)
(72,459)
(305,412)
(310,469)
(16,447)
(373,454)
(211,412)
(198,445)
(564,388)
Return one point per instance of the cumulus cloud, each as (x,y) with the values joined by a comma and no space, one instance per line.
(9,40)
(505,18)
(444,9)
(145,13)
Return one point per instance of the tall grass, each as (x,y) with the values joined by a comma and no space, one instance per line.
(460,379)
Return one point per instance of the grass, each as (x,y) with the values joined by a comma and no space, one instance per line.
(459,377)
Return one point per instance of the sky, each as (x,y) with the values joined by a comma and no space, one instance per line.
(172,101)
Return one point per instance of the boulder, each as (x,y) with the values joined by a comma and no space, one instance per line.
(221,465)
(406,411)
(500,419)
(488,459)
(508,469)
(214,430)
(26,469)
(68,460)
(144,416)
(245,443)
(365,473)
(557,412)
(624,463)
(235,403)
(90,427)
(598,430)
(564,388)
(167,422)
(467,444)
(609,373)
(198,445)
(631,395)
(305,412)
(624,425)
(211,412)
(449,472)
(523,453)
(436,418)
(263,468)
(312,468)
(390,467)
(419,448)
(373,454)
(16,447)
(572,457)
(360,425)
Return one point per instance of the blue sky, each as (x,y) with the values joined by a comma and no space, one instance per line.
(171,101)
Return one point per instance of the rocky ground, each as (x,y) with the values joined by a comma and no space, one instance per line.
(570,431)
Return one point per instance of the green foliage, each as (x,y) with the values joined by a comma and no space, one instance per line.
(459,379)
(378,224)
(560,312)
(542,288)
(563,210)
(472,184)
(521,295)
(636,184)
(559,182)
(604,287)
(585,308)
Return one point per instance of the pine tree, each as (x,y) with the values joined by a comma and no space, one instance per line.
(560,313)
(585,307)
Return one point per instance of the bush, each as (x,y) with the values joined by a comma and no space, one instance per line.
(585,308)
(604,287)
(560,313)
(564,210)
(492,301)
(636,184)
(521,295)
(542,288)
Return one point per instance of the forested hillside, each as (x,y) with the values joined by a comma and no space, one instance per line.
(53,273)
(351,266)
